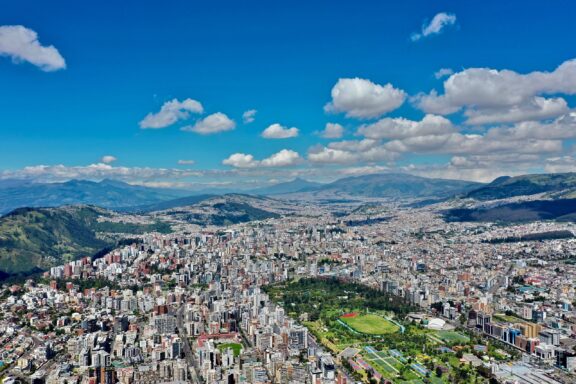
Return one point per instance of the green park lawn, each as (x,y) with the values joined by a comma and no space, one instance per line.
(370,324)
(452,337)
(236,347)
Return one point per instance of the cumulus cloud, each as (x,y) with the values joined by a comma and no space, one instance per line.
(171,112)
(354,145)
(240,160)
(108,159)
(331,156)
(21,44)
(214,123)
(492,160)
(435,26)
(332,131)
(457,143)
(361,98)
(284,158)
(560,164)
(249,116)
(350,152)
(492,96)
(537,108)
(443,72)
(186,162)
(401,128)
(564,127)
(277,131)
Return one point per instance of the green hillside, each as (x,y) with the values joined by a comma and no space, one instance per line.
(35,239)
(526,211)
(505,187)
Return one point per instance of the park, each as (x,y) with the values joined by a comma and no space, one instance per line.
(369,324)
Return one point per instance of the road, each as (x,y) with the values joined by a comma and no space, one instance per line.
(189,356)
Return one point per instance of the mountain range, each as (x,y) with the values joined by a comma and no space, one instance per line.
(295,185)
(122,196)
(522,198)
(126,197)
(517,212)
(555,184)
(394,186)
(106,193)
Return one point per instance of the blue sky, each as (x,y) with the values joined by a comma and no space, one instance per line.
(124,60)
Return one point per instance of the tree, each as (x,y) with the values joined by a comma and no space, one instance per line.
(439,371)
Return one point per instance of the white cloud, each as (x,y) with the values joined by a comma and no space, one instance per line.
(332,131)
(494,160)
(443,72)
(354,145)
(436,25)
(214,123)
(401,128)
(277,131)
(171,112)
(350,152)
(249,116)
(108,159)
(186,162)
(491,96)
(560,164)
(240,160)
(331,156)
(284,158)
(21,44)
(433,103)
(361,98)
(457,143)
(561,128)
(537,108)
(366,170)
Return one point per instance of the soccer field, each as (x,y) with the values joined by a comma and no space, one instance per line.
(451,336)
(370,324)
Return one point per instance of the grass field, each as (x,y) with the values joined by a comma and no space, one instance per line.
(453,337)
(370,324)
(236,348)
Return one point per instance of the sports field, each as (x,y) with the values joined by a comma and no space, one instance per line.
(453,337)
(236,347)
(370,324)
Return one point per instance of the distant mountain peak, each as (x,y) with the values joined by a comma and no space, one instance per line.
(396,186)
(296,185)
(116,183)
